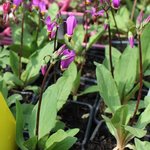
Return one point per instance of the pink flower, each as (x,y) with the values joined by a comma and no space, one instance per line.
(67,59)
(140,18)
(94,13)
(43,69)
(42,7)
(131,39)
(6,7)
(115,4)
(71,24)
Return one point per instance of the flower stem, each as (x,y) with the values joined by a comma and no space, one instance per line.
(21,47)
(141,80)
(116,26)
(110,46)
(40,99)
(133,9)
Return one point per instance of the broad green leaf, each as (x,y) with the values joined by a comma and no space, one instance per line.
(136,131)
(36,60)
(125,71)
(121,117)
(19,126)
(115,57)
(107,88)
(110,126)
(144,118)
(146,47)
(53,10)
(91,89)
(59,136)
(65,84)
(14,63)
(141,145)
(93,39)
(31,143)
(12,80)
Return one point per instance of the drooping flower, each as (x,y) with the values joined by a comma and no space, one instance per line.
(6,7)
(35,3)
(51,27)
(131,39)
(16,3)
(146,21)
(140,18)
(115,4)
(43,69)
(67,59)
(71,24)
(42,7)
(95,13)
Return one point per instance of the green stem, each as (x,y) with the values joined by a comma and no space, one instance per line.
(40,99)
(116,26)
(141,80)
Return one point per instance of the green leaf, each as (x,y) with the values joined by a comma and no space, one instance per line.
(13,98)
(144,118)
(12,80)
(125,71)
(31,143)
(59,136)
(141,145)
(14,63)
(3,88)
(121,117)
(146,47)
(91,89)
(65,84)
(19,126)
(53,10)
(136,131)
(115,57)
(107,88)
(36,61)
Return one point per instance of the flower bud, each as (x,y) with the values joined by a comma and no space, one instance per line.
(71,24)
(67,58)
(131,39)
(139,18)
(146,21)
(115,4)
(43,69)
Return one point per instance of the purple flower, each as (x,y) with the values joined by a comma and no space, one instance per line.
(6,7)
(131,39)
(140,18)
(35,3)
(43,69)
(48,20)
(71,24)
(94,13)
(42,7)
(67,59)
(115,4)
(16,3)
(147,20)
